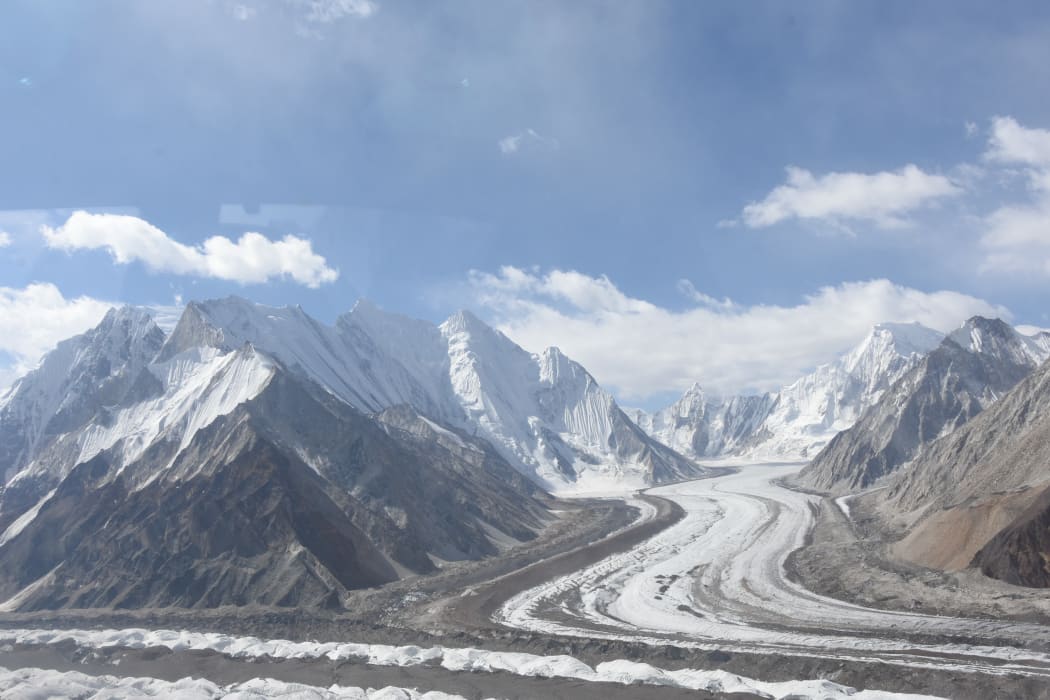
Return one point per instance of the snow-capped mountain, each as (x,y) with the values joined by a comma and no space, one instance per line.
(543,412)
(810,412)
(972,368)
(801,418)
(80,377)
(703,426)
(209,458)
(980,495)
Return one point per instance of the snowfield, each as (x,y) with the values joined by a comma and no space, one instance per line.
(716,580)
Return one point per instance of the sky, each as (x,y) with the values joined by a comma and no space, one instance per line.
(728,193)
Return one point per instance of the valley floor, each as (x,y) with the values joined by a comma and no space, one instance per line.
(708,577)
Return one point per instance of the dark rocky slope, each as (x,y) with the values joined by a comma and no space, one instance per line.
(291,499)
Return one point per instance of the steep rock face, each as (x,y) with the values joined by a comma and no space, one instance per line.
(968,371)
(542,412)
(258,530)
(981,487)
(1020,553)
(187,392)
(290,498)
(75,381)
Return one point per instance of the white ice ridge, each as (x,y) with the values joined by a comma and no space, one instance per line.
(35,683)
(471,660)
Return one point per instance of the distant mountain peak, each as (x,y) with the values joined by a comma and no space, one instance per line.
(909,337)
(802,416)
(463,321)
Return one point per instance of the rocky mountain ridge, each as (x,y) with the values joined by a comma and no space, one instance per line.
(971,368)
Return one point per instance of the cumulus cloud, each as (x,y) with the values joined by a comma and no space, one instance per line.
(5,239)
(641,349)
(510,145)
(1017,236)
(251,259)
(33,319)
(1011,143)
(883,198)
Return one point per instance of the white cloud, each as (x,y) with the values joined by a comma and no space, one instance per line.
(1012,143)
(510,145)
(642,349)
(35,318)
(1016,238)
(883,198)
(5,239)
(971,129)
(253,258)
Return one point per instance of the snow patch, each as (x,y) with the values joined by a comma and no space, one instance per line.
(20,523)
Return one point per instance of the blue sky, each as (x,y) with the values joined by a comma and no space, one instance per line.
(420,148)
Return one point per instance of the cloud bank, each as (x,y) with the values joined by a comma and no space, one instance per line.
(642,350)
(252,259)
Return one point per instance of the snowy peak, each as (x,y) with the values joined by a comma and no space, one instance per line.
(468,332)
(971,369)
(801,417)
(194,330)
(997,339)
(75,381)
(464,321)
(692,405)
(888,343)
(555,368)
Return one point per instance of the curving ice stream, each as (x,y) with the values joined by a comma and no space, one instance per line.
(716,579)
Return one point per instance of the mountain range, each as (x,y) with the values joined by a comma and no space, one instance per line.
(254,454)
(795,422)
